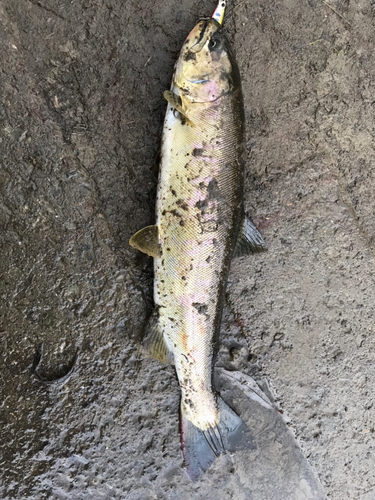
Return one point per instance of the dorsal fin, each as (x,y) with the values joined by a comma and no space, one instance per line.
(249,239)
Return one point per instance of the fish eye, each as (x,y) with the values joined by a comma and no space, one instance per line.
(215,42)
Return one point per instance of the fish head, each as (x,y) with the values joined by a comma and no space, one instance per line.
(206,69)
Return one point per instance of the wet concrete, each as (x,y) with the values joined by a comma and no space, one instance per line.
(81,111)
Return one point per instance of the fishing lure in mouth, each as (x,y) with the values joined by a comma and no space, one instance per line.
(218,15)
(200,227)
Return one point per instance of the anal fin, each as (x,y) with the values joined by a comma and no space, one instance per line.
(154,344)
(249,239)
(147,241)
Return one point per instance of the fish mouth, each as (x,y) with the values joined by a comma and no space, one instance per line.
(210,25)
(203,37)
(202,33)
(209,28)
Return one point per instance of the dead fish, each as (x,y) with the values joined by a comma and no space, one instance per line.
(200,226)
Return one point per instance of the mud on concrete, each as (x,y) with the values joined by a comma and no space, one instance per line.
(81,111)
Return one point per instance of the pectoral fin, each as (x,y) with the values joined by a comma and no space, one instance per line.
(154,344)
(147,241)
(175,101)
(249,240)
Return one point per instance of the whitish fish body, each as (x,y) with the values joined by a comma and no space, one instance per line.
(198,215)
(199,227)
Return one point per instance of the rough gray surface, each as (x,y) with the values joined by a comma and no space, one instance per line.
(80,117)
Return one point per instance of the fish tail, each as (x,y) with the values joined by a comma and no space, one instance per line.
(200,448)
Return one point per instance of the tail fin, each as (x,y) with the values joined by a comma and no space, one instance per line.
(200,448)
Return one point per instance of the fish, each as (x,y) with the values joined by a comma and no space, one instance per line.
(200,227)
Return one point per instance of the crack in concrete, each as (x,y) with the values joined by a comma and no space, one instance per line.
(47,9)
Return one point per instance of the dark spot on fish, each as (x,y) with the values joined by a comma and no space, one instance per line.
(201,308)
(182,204)
(182,223)
(213,190)
(189,402)
(197,152)
(214,242)
(209,225)
(173,192)
(208,258)
(171,319)
(190,56)
(183,278)
(191,267)
(175,213)
(168,249)
(162,262)
(188,179)
(201,204)
(224,75)
(163,212)
(202,185)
